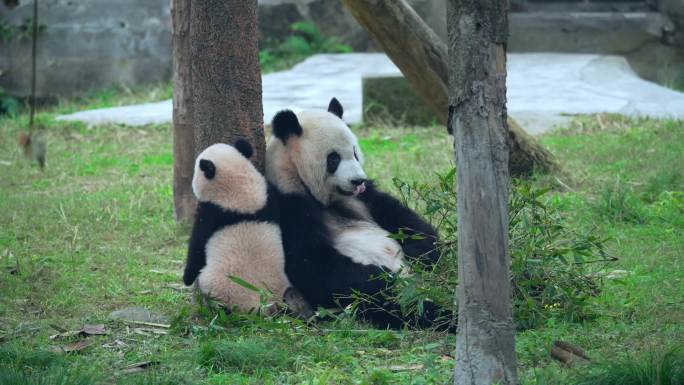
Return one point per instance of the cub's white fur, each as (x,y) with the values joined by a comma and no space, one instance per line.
(251,251)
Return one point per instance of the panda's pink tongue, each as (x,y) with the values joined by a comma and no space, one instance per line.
(360,189)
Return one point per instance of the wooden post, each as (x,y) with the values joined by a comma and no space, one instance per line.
(485,347)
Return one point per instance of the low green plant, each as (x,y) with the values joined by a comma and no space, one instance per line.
(21,366)
(620,204)
(246,355)
(653,368)
(550,260)
(305,40)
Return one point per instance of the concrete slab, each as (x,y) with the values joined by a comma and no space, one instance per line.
(543,89)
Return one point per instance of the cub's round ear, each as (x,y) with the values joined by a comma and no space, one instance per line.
(335,108)
(285,123)
(208,168)
(244,148)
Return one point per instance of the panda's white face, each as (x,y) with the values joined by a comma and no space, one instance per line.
(325,158)
(224,176)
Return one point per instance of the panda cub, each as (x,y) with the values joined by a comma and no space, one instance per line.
(336,224)
(236,230)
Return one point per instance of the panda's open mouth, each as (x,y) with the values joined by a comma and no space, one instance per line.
(357,190)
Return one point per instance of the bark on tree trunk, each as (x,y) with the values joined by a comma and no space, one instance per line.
(225,73)
(485,347)
(183,135)
(216,86)
(422,58)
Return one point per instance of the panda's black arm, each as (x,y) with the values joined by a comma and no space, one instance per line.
(206,223)
(312,264)
(393,216)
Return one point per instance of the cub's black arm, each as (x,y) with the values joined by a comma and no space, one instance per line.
(206,223)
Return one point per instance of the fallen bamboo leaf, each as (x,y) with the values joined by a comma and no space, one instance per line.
(94,330)
(576,350)
(138,367)
(402,368)
(178,287)
(87,330)
(59,329)
(153,324)
(115,345)
(567,354)
(384,351)
(76,346)
(150,330)
(67,334)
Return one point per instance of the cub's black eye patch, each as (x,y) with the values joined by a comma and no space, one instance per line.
(356,156)
(208,168)
(333,162)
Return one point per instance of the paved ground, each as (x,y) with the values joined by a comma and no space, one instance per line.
(543,90)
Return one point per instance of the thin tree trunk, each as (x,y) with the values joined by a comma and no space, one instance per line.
(225,73)
(183,133)
(485,347)
(422,58)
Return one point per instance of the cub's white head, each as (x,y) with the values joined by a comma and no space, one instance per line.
(224,176)
(315,151)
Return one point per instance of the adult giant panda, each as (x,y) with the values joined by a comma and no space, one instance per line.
(236,231)
(335,223)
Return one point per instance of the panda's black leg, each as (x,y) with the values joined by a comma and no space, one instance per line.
(437,317)
(387,314)
(296,303)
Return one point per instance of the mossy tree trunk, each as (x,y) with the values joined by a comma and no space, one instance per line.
(422,57)
(217,85)
(485,344)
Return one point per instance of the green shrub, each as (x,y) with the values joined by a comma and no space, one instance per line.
(550,260)
(306,40)
(8,104)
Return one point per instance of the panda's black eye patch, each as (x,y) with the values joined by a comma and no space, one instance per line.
(208,168)
(333,162)
(356,156)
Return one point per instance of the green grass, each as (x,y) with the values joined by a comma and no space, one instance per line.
(94,233)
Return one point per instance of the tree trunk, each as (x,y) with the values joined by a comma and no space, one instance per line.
(183,134)
(422,58)
(225,73)
(485,347)
(216,86)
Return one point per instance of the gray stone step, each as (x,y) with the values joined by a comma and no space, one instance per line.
(543,89)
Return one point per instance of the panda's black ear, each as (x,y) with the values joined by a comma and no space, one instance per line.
(244,148)
(208,168)
(285,123)
(335,108)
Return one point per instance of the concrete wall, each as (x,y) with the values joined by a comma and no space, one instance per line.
(93,44)
(88,44)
